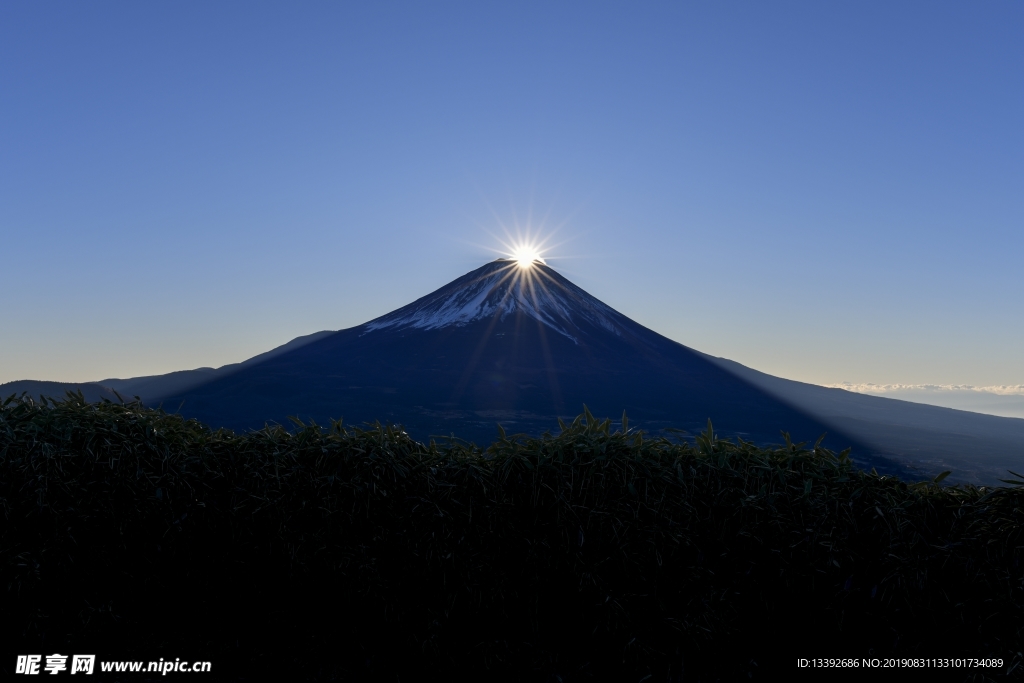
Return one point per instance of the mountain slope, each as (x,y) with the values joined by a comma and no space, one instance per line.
(978,448)
(152,387)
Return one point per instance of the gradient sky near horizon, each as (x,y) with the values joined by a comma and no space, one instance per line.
(825,192)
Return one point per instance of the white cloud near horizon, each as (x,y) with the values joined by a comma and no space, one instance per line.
(870,388)
(1002,400)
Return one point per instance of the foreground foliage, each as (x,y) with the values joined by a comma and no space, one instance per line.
(359,553)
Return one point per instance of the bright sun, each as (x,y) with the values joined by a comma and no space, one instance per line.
(526,254)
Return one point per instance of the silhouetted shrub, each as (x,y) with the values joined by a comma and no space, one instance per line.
(358,553)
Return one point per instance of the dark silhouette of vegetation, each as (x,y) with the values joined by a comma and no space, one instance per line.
(345,553)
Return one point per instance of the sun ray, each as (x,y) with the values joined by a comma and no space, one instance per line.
(509,272)
(532,283)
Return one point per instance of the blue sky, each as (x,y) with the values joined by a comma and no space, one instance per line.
(826,193)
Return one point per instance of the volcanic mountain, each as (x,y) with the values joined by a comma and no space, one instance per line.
(509,343)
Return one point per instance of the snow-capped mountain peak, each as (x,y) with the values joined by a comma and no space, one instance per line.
(501,288)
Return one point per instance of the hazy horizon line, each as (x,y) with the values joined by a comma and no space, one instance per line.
(869,388)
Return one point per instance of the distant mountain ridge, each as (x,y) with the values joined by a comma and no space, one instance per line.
(92,391)
(156,386)
(150,388)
